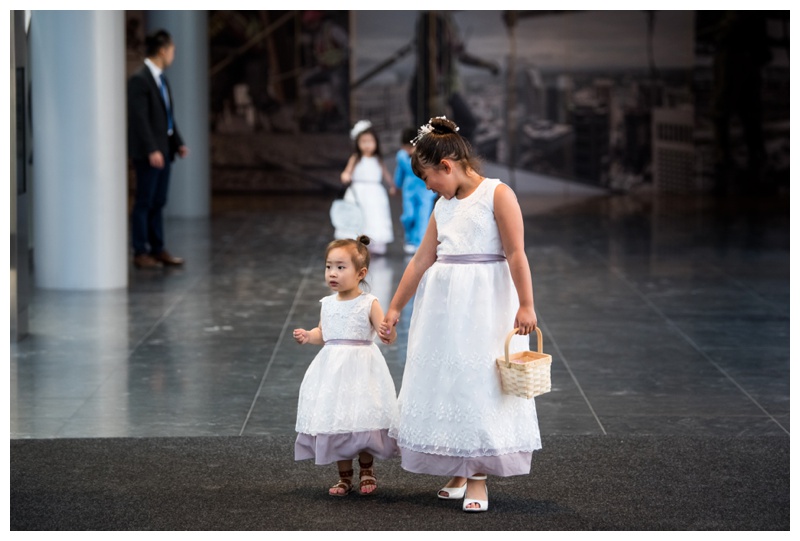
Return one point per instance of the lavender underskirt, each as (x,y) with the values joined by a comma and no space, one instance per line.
(460,466)
(465,259)
(329,448)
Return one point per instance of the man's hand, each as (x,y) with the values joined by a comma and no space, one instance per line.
(156,160)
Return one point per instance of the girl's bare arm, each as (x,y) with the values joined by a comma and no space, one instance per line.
(376,318)
(347,175)
(511,226)
(422,260)
(314,336)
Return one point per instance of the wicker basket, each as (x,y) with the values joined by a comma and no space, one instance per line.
(527,373)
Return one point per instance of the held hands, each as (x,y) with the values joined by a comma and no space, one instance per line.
(391,338)
(525,320)
(387,331)
(302,336)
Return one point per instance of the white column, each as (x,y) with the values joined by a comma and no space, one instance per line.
(79,149)
(190,187)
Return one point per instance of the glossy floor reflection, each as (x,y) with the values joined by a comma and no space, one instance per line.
(664,315)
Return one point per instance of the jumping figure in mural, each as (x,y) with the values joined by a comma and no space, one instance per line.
(325,84)
(436,86)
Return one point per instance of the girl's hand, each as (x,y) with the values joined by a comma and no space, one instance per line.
(525,321)
(387,326)
(346,178)
(302,336)
(391,339)
(392,190)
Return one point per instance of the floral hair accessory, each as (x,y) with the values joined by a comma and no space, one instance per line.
(360,126)
(425,129)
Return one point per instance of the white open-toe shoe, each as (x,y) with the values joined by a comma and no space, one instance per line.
(484,504)
(453,493)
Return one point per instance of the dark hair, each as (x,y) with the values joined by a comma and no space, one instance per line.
(407,135)
(358,251)
(442,141)
(377,143)
(155,41)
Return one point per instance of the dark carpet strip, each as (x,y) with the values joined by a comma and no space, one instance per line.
(253,483)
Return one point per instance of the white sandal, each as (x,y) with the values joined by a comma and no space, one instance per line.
(484,504)
(453,493)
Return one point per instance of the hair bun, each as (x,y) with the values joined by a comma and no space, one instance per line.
(363,239)
(443,125)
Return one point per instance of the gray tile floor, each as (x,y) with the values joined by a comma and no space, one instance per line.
(664,315)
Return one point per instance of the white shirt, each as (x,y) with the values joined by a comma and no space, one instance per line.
(156,71)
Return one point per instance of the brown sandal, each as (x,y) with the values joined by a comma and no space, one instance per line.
(345,483)
(366,478)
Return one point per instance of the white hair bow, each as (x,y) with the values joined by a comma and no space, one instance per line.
(360,126)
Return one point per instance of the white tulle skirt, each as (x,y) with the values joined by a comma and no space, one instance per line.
(346,388)
(451,408)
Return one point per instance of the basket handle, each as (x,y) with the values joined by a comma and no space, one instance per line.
(513,332)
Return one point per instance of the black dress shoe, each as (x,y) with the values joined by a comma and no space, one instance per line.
(146,261)
(168,259)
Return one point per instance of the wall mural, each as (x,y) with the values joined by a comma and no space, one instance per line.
(280,99)
(683,101)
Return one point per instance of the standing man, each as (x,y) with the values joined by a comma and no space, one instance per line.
(153,141)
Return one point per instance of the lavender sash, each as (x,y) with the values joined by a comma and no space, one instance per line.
(464,259)
(348,342)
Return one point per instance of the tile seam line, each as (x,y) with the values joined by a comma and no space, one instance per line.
(306,272)
(563,359)
(753,293)
(161,319)
(691,342)
(203,274)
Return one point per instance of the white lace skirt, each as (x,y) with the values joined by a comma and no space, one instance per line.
(450,402)
(346,388)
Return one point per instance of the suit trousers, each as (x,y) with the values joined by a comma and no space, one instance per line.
(147,224)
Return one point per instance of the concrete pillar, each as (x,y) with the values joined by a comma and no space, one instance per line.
(78,102)
(190,187)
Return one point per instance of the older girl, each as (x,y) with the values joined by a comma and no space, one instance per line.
(472,284)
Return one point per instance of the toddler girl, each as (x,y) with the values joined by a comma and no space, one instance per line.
(347,398)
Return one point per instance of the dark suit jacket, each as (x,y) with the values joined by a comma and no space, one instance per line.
(147,118)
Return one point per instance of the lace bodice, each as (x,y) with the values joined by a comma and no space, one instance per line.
(468,226)
(347,320)
(368,169)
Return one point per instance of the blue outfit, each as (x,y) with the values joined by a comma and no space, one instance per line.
(417,200)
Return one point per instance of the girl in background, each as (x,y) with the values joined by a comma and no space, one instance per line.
(365,174)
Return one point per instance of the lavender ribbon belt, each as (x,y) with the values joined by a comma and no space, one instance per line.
(464,259)
(348,342)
